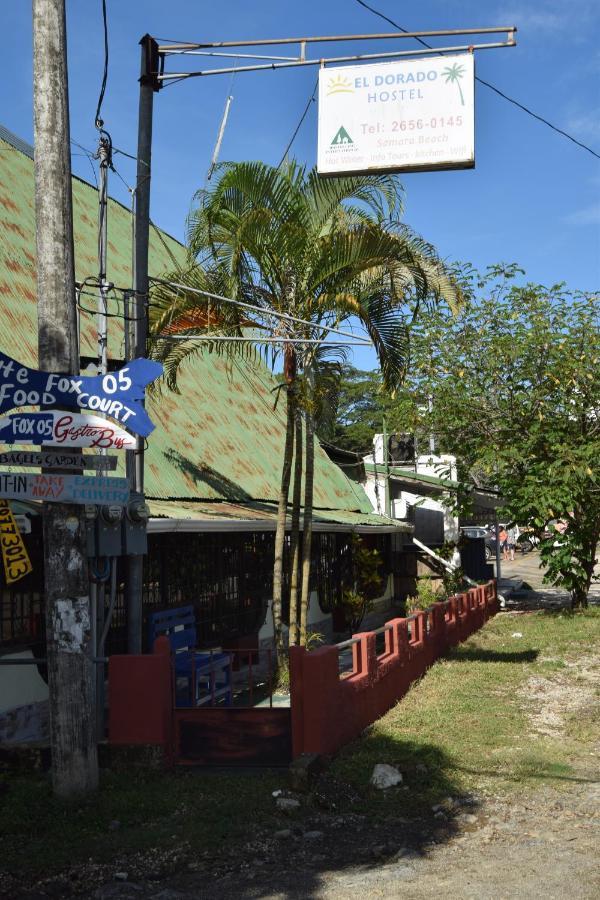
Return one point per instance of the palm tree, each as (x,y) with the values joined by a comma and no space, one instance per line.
(453,75)
(327,251)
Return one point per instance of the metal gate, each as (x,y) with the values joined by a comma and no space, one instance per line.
(230,736)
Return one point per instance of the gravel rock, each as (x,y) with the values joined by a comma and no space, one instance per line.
(467,819)
(120,891)
(385,776)
(287,804)
(313,835)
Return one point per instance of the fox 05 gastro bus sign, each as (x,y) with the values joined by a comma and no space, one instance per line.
(399,116)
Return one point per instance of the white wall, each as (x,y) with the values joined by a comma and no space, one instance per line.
(20,685)
(436,465)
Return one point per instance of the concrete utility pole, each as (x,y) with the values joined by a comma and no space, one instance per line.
(68,624)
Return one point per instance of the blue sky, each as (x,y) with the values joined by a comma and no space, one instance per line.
(533,198)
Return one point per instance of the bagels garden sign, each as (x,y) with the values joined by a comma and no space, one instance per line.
(119,395)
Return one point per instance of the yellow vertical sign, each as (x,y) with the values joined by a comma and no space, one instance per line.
(14,553)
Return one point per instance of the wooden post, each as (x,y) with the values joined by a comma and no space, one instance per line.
(68,621)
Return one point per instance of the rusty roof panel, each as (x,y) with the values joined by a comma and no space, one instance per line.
(220,438)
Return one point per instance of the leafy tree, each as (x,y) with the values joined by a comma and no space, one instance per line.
(515,382)
(326,251)
(356,410)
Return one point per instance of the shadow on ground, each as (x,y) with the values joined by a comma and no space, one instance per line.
(344,826)
(477,654)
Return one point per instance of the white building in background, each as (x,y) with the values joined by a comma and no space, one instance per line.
(417,490)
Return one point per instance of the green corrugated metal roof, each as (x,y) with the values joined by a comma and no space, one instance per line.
(17,248)
(220,439)
(263,514)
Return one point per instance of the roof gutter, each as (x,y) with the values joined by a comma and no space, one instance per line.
(231,526)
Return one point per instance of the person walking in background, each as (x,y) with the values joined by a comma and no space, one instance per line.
(512,536)
(503,537)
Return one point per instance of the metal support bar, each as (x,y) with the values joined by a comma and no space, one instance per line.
(444,562)
(379,36)
(436,51)
(227,55)
(42,660)
(269,340)
(258,309)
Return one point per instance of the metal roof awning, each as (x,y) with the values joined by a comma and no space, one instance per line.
(487,498)
(168,516)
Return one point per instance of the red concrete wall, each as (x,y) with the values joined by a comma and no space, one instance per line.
(140,697)
(328,710)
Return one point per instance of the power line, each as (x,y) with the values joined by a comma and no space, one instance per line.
(90,157)
(98,121)
(299,125)
(487,84)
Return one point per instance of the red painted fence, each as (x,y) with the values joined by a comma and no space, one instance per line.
(329,709)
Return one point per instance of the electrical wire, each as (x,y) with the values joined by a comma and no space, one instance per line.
(98,121)
(299,125)
(496,90)
(90,157)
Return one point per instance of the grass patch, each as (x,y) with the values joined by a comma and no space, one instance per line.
(465,726)
(193,812)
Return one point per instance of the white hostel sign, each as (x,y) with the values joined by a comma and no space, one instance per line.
(399,116)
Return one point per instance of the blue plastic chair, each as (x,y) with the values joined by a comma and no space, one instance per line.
(207,676)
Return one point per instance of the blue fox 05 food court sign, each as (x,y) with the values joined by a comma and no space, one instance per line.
(397,116)
(117,394)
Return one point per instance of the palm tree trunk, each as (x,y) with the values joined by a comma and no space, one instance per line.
(307,535)
(284,489)
(295,532)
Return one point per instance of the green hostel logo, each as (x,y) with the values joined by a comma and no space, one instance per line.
(341,137)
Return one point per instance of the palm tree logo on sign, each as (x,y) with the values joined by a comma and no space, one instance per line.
(453,74)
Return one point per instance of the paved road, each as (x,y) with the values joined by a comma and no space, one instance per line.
(527,567)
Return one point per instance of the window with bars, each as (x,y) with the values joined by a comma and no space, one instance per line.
(227,578)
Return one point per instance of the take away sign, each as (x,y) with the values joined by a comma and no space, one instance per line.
(118,394)
(79,489)
(14,553)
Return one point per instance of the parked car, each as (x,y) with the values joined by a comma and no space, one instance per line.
(525,542)
(482,531)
